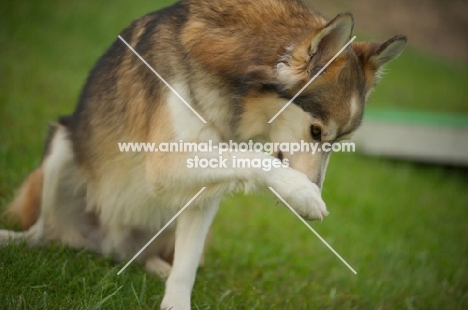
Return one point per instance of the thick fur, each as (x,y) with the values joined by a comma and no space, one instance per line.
(237,62)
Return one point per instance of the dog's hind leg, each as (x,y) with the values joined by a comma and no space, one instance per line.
(63,210)
(191,230)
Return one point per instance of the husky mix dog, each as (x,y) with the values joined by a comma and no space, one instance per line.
(237,62)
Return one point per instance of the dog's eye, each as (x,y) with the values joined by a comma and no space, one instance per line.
(316,132)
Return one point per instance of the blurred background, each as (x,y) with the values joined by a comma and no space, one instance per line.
(436,26)
(397,216)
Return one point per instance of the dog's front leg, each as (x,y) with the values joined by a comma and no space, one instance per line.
(301,193)
(192,227)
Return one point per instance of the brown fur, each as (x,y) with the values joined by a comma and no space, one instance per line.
(25,208)
(233,46)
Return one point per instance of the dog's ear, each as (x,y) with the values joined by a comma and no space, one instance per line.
(332,37)
(378,54)
(373,56)
(304,59)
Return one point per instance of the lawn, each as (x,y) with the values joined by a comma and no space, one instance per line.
(402,226)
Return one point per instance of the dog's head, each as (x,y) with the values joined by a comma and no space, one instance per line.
(331,107)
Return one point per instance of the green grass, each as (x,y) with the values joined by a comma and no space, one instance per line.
(402,226)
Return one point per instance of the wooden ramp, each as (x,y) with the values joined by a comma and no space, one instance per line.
(418,136)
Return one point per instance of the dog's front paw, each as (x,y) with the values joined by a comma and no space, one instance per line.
(302,195)
(176,297)
(174,304)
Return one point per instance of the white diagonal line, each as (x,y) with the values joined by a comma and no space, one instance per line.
(161,230)
(308,83)
(308,226)
(163,80)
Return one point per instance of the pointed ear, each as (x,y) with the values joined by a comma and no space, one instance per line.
(373,56)
(377,55)
(303,59)
(334,35)
(389,50)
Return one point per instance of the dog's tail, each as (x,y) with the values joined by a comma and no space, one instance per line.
(26,206)
(25,209)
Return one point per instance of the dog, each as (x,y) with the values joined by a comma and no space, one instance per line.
(237,62)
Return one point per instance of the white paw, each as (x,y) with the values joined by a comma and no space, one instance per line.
(174,304)
(301,194)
